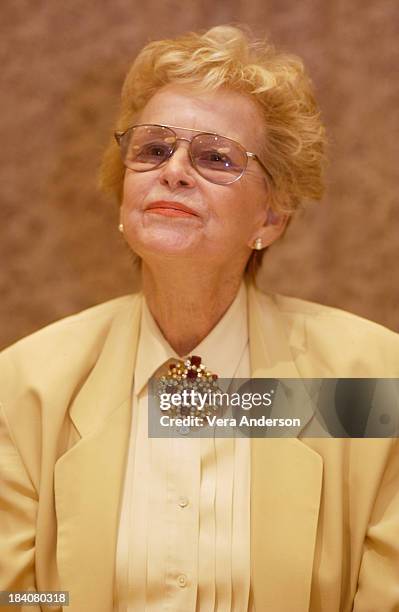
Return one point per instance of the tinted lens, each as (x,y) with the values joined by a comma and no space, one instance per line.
(146,146)
(218,159)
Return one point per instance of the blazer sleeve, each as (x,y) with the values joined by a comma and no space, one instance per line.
(378,583)
(18,512)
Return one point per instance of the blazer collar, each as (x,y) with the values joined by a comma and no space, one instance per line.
(110,381)
(271,354)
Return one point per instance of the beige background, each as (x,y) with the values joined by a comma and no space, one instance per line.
(62,67)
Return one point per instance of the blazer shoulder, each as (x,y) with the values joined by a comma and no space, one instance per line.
(292,307)
(342,343)
(60,347)
(90,317)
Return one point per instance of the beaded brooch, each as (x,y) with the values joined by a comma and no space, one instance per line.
(189,379)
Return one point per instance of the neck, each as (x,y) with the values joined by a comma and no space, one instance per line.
(187,304)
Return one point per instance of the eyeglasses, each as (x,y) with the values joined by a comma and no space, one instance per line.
(216,158)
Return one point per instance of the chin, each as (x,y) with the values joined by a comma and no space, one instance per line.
(164,246)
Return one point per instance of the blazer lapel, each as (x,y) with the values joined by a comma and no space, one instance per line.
(286,481)
(89,476)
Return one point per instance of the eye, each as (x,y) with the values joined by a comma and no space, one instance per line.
(150,152)
(213,158)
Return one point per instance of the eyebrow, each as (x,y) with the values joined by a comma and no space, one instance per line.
(178,127)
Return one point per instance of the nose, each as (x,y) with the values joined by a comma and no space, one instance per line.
(178,171)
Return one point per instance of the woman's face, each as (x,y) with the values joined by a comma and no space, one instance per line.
(224,220)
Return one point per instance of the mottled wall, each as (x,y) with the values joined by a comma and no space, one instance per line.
(62,67)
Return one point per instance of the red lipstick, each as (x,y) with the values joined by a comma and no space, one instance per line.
(169,208)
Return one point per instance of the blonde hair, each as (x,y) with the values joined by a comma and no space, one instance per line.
(229,57)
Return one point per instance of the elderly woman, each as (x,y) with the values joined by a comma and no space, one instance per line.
(218,141)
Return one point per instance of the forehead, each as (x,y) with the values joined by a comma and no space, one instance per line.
(225,112)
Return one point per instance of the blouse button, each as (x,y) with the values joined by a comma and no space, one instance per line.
(183,501)
(182,580)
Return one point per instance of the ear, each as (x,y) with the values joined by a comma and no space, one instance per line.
(273,228)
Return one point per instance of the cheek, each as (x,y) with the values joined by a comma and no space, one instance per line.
(246,210)
(128,194)
(256,204)
(134,190)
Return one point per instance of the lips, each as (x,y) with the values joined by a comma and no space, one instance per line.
(171,209)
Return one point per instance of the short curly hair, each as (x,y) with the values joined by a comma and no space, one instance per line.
(228,56)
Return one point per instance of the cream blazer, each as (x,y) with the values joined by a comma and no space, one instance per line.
(324,512)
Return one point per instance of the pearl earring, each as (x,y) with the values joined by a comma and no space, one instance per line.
(257,245)
(121,228)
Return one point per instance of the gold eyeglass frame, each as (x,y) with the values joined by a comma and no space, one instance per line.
(249,154)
